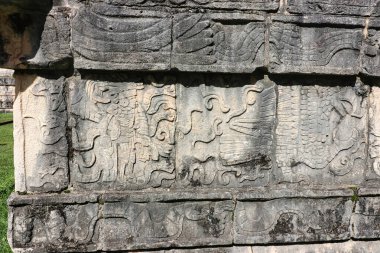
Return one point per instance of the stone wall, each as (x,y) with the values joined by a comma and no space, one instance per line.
(194,125)
(7,90)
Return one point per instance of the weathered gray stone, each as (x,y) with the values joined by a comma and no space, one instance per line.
(194,125)
(123,133)
(341,247)
(321,134)
(293,220)
(373,172)
(69,224)
(300,44)
(239,133)
(265,5)
(333,7)
(40,121)
(111,37)
(214,42)
(365,222)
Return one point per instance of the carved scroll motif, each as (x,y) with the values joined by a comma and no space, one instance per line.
(123,134)
(44,119)
(374,134)
(224,141)
(321,128)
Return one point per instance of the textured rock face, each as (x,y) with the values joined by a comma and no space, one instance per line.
(194,125)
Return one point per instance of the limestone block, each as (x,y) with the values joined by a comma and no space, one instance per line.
(371,53)
(34,35)
(340,247)
(365,222)
(217,43)
(337,247)
(72,224)
(299,44)
(55,228)
(264,5)
(40,120)
(123,132)
(292,220)
(374,135)
(332,7)
(154,225)
(321,134)
(225,131)
(116,37)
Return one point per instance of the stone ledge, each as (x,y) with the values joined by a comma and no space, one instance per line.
(86,222)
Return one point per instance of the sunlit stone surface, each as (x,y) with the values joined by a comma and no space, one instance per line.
(194,125)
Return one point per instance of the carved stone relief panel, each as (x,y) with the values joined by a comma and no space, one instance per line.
(115,37)
(153,225)
(366,218)
(54,51)
(50,227)
(321,134)
(306,48)
(268,5)
(216,42)
(374,135)
(225,131)
(123,133)
(371,51)
(40,120)
(293,220)
(332,7)
(77,223)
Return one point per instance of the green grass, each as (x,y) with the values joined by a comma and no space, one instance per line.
(5,117)
(6,177)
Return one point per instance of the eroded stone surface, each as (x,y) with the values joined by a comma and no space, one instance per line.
(123,133)
(237,134)
(194,125)
(366,219)
(108,37)
(40,133)
(321,134)
(214,42)
(292,220)
(307,47)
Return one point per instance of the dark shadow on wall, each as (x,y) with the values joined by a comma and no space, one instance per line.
(21,26)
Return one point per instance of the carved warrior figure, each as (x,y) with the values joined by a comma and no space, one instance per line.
(131,123)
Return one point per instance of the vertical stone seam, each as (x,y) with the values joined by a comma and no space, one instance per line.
(172,41)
